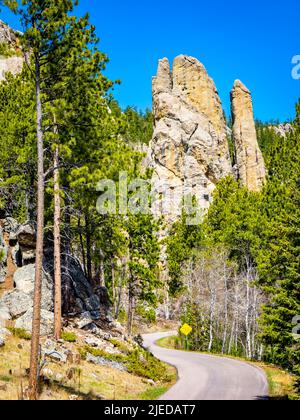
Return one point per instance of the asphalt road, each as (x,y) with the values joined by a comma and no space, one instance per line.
(212,378)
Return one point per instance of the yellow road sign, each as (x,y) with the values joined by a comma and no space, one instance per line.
(186,330)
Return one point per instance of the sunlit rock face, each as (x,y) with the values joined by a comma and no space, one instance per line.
(11,61)
(250,165)
(189,149)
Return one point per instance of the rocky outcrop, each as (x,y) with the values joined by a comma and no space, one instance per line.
(80,300)
(189,149)
(12,60)
(250,165)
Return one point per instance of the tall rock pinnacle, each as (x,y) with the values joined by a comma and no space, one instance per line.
(191,80)
(189,149)
(250,163)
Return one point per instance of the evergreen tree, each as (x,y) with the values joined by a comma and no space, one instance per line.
(143,256)
(279,261)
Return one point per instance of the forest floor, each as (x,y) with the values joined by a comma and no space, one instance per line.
(82,380)
(281,383)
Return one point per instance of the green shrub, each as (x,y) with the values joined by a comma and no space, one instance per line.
(20,333)
(120,346)
(143,364)
(6,50)
(2,255)
(101,353)
(122,318)
(139,362)
(69,337)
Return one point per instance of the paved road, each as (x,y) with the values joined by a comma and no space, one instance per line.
(205,377)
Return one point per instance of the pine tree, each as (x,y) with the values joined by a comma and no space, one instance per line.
(143,255)
(279,261)
(53,39)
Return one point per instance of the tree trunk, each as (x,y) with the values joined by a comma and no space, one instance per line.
(88,248)
(225,312)
(130,306)
(248,325)
(211,322)
(57,251)
(82,246)
(113,286)
(36,322)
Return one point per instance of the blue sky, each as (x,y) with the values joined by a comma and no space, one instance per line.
(249,40)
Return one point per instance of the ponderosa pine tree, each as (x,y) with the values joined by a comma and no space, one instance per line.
(143,256)
(18,150)
(53,39)
(279,261)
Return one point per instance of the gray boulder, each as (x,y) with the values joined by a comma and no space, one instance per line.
(2,273)
(4,314)
(55,355)
(2,341)
(101,361)
(47,322)
(10,225)
(4,332)
(26,237)
(17,303)
(24,279)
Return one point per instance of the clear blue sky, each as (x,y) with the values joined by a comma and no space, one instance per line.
(250,40)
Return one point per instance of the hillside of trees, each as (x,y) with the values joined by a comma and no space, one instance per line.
(239,270)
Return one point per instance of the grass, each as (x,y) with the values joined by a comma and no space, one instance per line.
(153,393)
(69,337)
(20,333)
(281,383)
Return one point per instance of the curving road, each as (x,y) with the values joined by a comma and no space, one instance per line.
(205,377)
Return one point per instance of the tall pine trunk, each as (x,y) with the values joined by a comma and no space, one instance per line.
(57,250)
(88,247)
(131,301)
(36,322)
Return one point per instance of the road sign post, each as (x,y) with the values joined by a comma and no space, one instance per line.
(186,330)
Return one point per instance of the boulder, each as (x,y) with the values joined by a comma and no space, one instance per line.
(4,332)
(84,321)
(93,342)
(55,355)
(101,361)
(10,225)
(2,341)
(24,279)
(4,314)
(17,303)
(47,322)
(2,273)
(26,237)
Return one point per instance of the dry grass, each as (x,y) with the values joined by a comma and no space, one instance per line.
(281,383)
(86,381)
